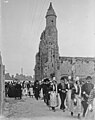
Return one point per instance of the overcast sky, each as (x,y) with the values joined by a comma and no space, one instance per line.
(24,20)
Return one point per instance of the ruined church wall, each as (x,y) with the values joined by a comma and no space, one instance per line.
(83,67)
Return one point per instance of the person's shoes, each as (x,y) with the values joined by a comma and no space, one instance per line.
(83,115)
(78,116)
(63,110)
(71,113)
(53,109)
(91,110)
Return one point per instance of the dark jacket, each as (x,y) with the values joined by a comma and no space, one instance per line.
(74,92)
(61,89)
(87,87)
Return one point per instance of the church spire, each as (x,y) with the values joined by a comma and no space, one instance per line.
(50,16)
(50,11)
(50,7)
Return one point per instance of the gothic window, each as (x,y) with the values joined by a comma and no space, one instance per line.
(52,21)
(58,67)
(54,56)
(38,68)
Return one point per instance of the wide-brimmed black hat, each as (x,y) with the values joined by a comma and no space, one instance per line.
(64,77)
(88,78)
(46,80)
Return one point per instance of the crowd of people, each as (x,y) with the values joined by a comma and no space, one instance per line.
(76,96)
(18,89)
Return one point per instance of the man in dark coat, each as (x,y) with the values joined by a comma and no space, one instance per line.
(28,87)
(11,90)
(85,91)
(46,88)
(62,92)
(37,89)
(18,91)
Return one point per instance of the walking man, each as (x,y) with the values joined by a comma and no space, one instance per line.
(62,92)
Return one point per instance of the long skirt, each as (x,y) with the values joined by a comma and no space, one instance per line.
(53,99)
(90,114)
(18,93)
(68,99)
(31,91)
(11,91)
(41,93)
(77,109)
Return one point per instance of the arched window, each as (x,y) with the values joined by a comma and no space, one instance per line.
(54,56)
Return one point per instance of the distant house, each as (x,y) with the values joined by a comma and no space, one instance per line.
(9,81)
(8,78)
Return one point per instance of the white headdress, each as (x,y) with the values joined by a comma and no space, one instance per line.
(69,77)
(54,78)
(77,78)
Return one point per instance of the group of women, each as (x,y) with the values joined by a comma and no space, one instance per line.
(76,96)
(71,94)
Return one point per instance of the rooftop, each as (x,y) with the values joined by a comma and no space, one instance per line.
(50,11)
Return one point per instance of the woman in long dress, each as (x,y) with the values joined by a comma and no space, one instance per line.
(68,94)
(53,95)
(91,106)
(76,107)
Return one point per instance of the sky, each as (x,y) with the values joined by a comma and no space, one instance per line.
(23,21)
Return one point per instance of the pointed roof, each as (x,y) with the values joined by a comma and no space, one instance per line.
(50,11)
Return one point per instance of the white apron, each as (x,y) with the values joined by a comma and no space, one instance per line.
(68,99)
(41,93)
(76,108)
(31,91)
(54,101)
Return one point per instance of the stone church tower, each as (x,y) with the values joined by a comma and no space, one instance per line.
(47,59)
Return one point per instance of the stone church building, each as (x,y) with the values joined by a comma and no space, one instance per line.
(48,61)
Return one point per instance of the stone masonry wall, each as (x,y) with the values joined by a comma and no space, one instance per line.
(2,89)
(83,66)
